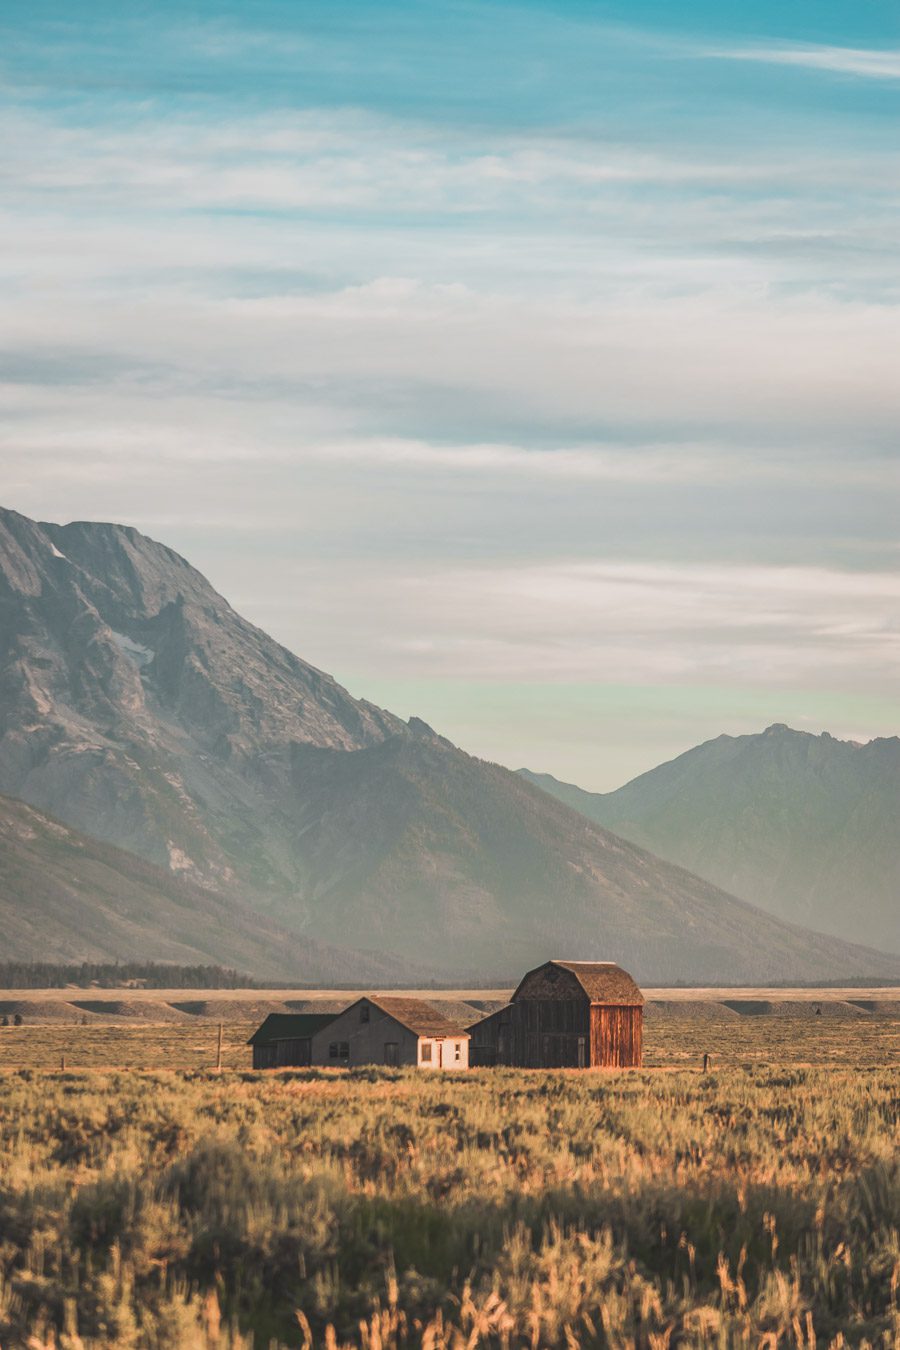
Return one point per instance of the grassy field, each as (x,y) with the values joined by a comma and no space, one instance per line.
(161,1206)
(678,1040)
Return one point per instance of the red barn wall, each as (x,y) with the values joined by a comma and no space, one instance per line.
(617,1037)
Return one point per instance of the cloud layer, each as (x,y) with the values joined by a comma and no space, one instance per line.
(578,365)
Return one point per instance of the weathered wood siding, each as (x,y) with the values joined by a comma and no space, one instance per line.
(559,1033)
(282,1054)
(364,1034)
(550,1033)
(616,1037)
(491,1040)
(365,1041)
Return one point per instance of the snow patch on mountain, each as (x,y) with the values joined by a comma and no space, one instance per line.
(141,656)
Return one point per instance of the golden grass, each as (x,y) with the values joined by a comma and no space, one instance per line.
(679,993)
(147,1203)
(670,1042)
(635,1211)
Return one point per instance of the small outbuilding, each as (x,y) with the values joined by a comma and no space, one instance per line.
(566,1014)
(285,1039)
(391,1031)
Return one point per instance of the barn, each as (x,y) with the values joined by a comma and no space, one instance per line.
(566,1014)
(285,1039)
(392,1031)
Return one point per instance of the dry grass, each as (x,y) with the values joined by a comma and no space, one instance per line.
(670,1042)
(147,1203)
(890,992)
(866,1043)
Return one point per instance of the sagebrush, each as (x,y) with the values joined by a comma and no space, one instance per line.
(388,1208)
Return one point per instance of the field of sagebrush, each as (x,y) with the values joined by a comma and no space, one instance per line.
(753,1206)
(671,1041)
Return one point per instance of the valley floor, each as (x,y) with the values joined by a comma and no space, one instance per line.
(670,1041)
(153,1029)
(149,1203)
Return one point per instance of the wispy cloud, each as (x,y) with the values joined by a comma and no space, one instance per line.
(411,348)
(325,160)
(624,622)
(868,63)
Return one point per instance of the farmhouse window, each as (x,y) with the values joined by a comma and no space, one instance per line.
(339,1050)
(426,1052)
(364,1013)
(457,1051)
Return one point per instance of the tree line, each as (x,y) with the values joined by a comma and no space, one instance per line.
(113,975)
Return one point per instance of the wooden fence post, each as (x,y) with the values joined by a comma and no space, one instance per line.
(219,1049)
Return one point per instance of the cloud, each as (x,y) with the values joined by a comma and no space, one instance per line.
(399,355)
(639,623)
(351,161)
(867,63)
(573,367)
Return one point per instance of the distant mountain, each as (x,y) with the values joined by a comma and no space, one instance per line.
(66,897)
(138,707)
(807,827)
(425,849)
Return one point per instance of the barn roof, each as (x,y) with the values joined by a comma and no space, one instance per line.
(487,1019)
(290,1027)
(419,1017)
(602,981)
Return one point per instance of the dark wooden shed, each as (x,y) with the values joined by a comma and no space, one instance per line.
(284,1039)
(566,1014)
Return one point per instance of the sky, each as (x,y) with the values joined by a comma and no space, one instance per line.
(532,368)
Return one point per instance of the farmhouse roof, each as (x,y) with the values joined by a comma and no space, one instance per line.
(290,1027)
(602,981)
(419,1017)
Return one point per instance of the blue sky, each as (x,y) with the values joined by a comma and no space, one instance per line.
(531,367)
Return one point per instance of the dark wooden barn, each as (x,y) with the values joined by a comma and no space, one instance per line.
(284,1039)
(566,1015)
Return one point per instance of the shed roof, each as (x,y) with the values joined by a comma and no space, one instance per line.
(602,981)
(290,1027)
(419,1017)
(498,1015)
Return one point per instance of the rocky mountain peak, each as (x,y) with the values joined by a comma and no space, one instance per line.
(801,824)
(139,708)
(128,685)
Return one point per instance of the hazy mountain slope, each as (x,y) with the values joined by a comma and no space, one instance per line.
(64,896)
(806,826)
(497,876)
(137,706)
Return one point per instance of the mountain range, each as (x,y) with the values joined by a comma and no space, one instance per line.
(807,827)
(137,708)
(67,897)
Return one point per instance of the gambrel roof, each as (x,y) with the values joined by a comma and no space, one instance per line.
(601,981)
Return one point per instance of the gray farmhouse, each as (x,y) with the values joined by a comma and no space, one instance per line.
(373,1030)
